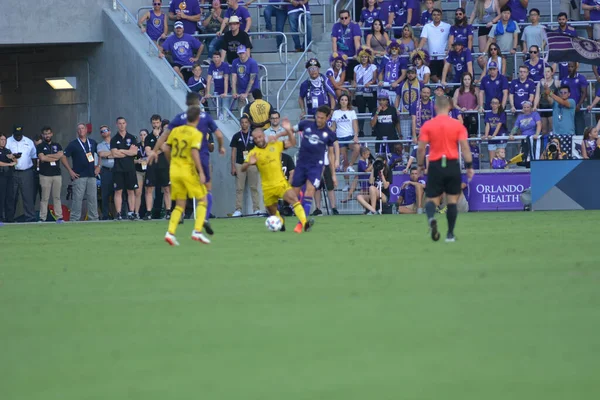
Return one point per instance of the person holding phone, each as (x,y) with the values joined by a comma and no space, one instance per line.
(24,152)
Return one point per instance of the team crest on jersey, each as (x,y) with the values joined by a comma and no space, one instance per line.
(55,149)
(526,85)
(128,141)
(241,70)
(156,22)
(182,6)
(497,82)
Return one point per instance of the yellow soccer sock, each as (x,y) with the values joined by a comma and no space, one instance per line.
(174,221)
(299,210)
(200,216)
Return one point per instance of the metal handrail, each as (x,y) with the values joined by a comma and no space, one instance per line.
(116,4)
(514,139)
(288,76)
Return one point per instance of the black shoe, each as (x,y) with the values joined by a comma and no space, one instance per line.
(308,225)
(361,134)
(212,216)
(450,238)
(148,217)
(131,216)
(282,227)
(317,212)
(119,218)
(335,211)
(208,228)
(435,235)
(168,215)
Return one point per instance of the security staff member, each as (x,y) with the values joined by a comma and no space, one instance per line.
(107,162)
(124,150)
(49,155)
(7,166)
(23,149)
(258,111)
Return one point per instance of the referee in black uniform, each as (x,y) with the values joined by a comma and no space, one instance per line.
(443,134)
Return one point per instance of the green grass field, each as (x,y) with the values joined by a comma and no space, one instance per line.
(361,308)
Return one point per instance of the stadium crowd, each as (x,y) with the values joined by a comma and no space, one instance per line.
(377,63)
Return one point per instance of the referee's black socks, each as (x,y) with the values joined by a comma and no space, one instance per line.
(451,214)
(430,210)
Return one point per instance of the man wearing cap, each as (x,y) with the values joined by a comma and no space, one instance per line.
(187,12)
(242,14)
(462,61)
(244,77)
(314,92)
(49,154)
(233,39)
(83,153)
(345,39)
(493,85)
(23,150)
(385,123)
(181,46)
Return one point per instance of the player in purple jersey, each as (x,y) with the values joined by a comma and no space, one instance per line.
(317,139)
(207,126)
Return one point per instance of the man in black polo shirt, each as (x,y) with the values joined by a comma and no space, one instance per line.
(83,152)
(241,144)
(49,154)
(124,151)
(157,174)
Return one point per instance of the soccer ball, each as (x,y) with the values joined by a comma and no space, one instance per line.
(273,223)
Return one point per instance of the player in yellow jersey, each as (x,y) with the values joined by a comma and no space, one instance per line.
(187,176)
(267,157)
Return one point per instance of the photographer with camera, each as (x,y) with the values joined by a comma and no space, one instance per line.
(379,187)
(553,151)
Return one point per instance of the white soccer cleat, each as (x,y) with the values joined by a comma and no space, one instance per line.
(199,237)
(171,239)
(237,213)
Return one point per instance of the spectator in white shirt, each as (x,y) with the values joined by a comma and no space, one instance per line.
(275,128)
(435,36)
(345,125)
(24,152)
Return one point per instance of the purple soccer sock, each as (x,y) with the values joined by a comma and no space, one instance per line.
(307,204)
(208,206)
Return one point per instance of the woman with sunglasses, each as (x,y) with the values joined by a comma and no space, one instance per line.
(542,101)
(408,38)
(485,12)
(494,54)
(535,64)
(466,99)
(378,41)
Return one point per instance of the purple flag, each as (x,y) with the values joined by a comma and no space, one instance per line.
(562,48)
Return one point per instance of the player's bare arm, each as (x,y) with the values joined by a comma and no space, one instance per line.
(289,132)
(331,155)
(421,156)
(468,157)
(251,161)
(219,136)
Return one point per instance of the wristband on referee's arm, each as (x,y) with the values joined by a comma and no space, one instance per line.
(468,165)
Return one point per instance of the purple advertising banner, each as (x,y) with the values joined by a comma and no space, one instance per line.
(486,192)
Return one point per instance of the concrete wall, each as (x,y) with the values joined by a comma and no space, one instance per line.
(51,21)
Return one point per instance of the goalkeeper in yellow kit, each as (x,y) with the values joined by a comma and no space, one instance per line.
(187,176)
(267,157)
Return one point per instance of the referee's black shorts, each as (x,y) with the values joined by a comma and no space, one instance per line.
(442,180)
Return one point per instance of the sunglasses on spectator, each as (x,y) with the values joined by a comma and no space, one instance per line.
(157,4)
(459,14)
(344,18)
(564,92)
(104,130)
(533,52)
(494,48)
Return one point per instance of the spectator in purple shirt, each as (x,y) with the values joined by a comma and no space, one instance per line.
(499,159)
(314,92)
(427,15)
(518,9)
(563,27)
(495,125)
(396,161)
(493,85)
(410,199)
(294,10)
(521,90)
(369,14)
(218,74)
(461,31)
(462,61)
(535,64)
(185,11)
(579,91)
(244,77)
(156,22)
(345,39)
(181,46)
(241,12)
